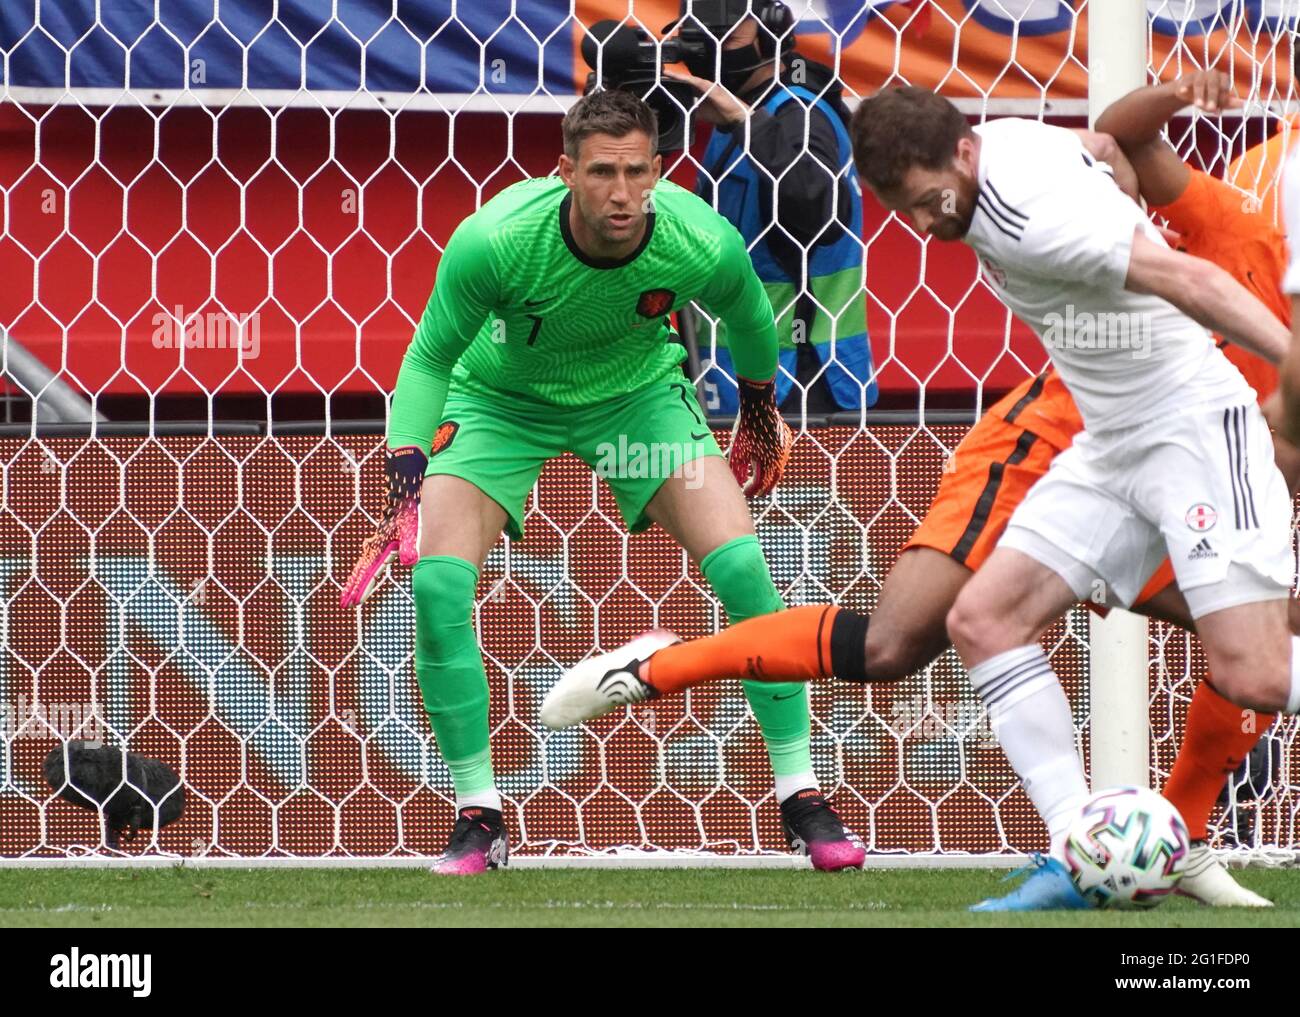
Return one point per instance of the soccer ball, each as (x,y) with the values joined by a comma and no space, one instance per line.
(1126,848)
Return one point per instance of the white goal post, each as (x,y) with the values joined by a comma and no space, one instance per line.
(1118,646)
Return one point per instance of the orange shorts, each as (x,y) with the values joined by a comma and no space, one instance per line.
(984,481)
(988,475)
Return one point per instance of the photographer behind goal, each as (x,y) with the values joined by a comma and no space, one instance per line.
(797,203)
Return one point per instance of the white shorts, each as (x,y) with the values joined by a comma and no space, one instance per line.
(1200,488)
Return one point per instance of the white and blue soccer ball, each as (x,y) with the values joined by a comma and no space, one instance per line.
(1127,848)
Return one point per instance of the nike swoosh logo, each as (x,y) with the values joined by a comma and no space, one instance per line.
(535,303)
(699,437)
(790,696)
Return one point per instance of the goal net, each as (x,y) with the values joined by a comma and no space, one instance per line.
(221,222)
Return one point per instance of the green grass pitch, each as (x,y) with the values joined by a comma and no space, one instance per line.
(175,897)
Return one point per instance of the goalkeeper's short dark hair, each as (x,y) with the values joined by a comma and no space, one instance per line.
(613,111)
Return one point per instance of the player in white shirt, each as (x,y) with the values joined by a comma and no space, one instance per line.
(1175,458)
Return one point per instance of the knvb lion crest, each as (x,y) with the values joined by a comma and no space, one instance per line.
(443,436)
(655,303)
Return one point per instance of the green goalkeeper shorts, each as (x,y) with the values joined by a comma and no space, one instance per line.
(499,441)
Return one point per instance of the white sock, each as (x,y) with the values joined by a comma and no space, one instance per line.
(488,798)
(1031,718)
(792,783)
(1293,700)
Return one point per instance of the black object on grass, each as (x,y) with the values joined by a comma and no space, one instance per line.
(133,791)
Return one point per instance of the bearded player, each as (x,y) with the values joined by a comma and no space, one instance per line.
(995,466)
(548,331)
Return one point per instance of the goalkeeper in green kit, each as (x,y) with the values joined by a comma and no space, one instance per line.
(548,331)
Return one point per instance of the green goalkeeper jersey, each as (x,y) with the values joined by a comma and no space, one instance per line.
(518,307)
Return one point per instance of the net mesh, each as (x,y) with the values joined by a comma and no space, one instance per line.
(263,251)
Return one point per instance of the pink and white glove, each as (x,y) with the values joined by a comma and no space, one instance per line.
(398,531)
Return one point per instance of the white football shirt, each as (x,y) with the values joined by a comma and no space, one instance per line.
(1054,234)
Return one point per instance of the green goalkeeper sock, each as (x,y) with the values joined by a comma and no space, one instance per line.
(738,574)
(449,668)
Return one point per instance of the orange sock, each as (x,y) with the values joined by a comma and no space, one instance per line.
(1212,748)
(793,645)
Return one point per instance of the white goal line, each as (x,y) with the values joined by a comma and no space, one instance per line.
(1239,858)
(614,860)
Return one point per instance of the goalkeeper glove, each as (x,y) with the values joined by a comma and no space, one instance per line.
(761,438)
(398,530)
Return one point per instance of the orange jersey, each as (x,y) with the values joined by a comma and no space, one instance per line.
(1259,169)
(1219,223)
